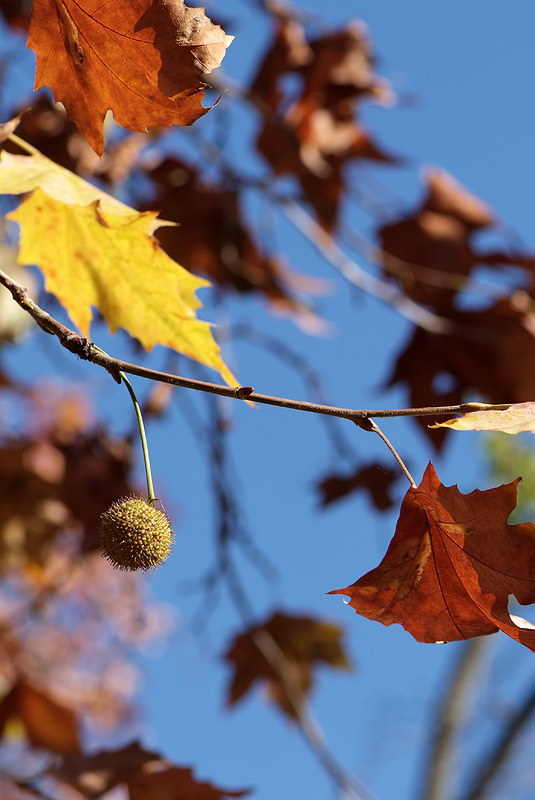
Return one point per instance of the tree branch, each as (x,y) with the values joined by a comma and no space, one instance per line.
(87,351)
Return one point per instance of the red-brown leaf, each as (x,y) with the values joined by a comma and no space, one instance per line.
(451,566)
(96,774)
(139,58)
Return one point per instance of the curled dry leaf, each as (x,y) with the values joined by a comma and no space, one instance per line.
(451,566)
(141,59)
(518,418)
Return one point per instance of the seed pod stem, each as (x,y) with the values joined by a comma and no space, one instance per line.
(144,445)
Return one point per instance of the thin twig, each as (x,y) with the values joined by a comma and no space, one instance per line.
(85,350)
(429,276)
(349,784)
(382,290)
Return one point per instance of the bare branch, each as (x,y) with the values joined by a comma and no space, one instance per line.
(87,351)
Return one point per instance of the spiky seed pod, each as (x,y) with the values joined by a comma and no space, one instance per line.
(135,535)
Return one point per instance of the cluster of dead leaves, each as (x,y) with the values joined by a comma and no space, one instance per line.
(143,61)
(433,253)
(314,134)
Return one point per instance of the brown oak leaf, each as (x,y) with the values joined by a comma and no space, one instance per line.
(451,566)
(281,653)
(141,59)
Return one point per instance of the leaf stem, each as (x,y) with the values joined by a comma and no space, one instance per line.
(144,444)
(370,425)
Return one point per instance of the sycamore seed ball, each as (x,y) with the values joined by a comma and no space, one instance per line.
(135,535)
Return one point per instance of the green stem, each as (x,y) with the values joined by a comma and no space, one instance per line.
(144,445)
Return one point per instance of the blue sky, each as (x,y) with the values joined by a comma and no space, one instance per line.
(464,74)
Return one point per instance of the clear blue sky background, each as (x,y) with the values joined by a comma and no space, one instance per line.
(468,67)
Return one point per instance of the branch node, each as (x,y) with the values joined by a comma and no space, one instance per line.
(243,392)
(366,424)
(78,345)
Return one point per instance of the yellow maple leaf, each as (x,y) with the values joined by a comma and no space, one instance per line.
(90,257)
(96,251)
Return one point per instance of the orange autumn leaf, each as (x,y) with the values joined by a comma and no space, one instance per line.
(452,565)
(140,59)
